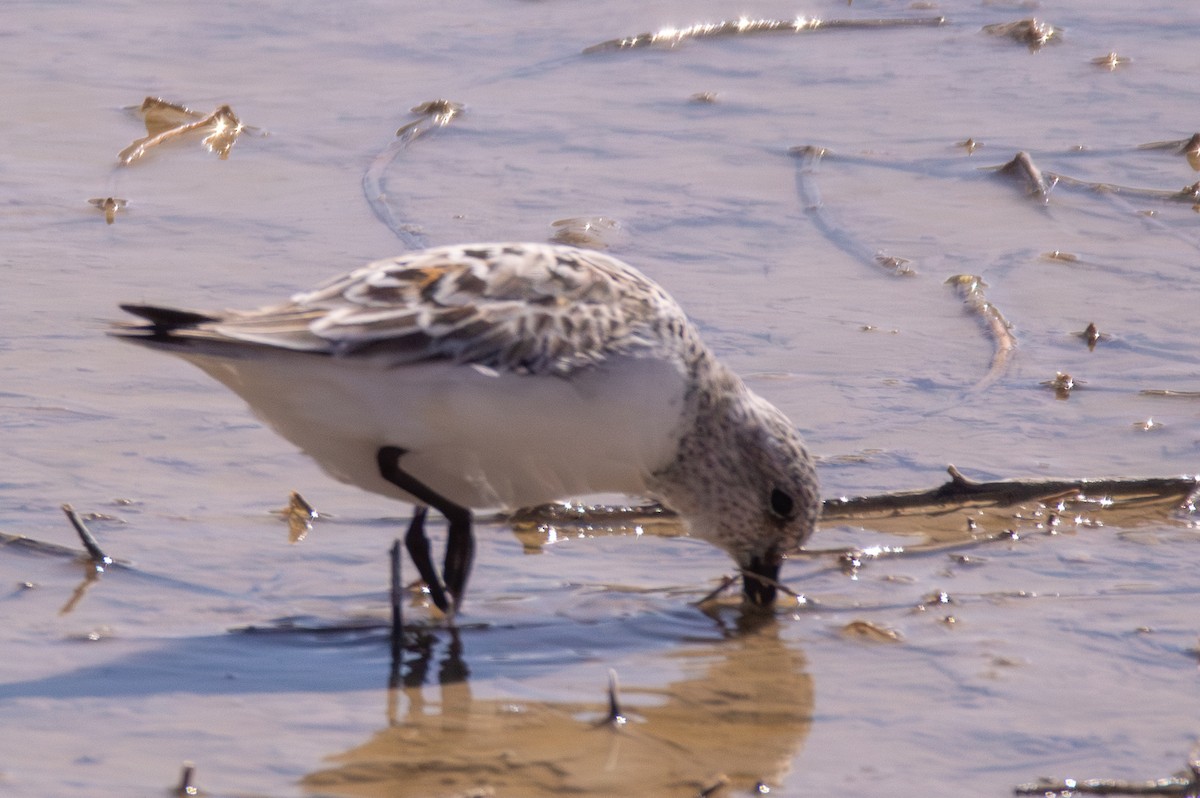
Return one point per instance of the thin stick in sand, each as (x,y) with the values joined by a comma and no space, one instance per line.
(99,559)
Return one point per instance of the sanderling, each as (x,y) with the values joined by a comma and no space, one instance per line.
(504,376)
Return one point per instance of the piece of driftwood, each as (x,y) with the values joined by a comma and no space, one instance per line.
(744,26)
(1024,170)
(1039,183)
(167,121)
(970,287)
(961,491)
(1185,784)
(1033,33)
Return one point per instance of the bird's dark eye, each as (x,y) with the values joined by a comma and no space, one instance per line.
(782,504)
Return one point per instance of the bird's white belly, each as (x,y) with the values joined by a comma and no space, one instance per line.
(479,439)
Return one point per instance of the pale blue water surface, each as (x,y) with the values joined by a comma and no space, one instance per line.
(1070,655)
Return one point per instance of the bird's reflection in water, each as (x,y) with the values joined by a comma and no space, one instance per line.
(738,716)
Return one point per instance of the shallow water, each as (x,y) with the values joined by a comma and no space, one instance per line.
(1072,654)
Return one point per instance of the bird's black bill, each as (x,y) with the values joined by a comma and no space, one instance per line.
(759,580)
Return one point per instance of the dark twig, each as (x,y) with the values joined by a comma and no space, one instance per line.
(615,716)
(99,559)
(960,491)
(185,781)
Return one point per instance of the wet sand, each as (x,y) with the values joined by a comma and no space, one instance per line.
(1069,649)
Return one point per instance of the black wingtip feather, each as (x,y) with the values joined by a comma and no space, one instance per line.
(164,320)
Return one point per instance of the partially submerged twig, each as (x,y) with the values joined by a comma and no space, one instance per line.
(1033,33)
(166,121)
(959,493)
(745,26)
(808,159)
(186,787)
(970,288)
(1187,194)
(430,116)
(1024,169)
(960,490)
(1189,148)
(1170,394)
(99,559)
(616,717)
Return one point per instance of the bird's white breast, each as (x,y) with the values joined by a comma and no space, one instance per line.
(479,438)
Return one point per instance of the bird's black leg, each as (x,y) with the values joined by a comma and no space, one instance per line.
(460,542)
(418,548)
(460,552)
